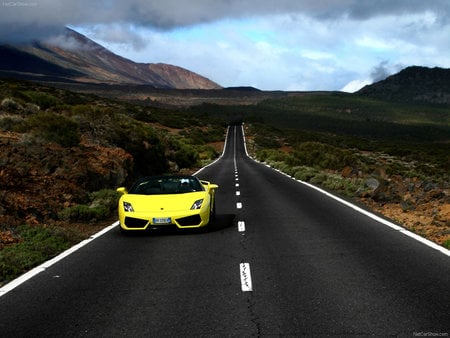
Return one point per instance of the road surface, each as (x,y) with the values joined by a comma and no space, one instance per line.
(282,259)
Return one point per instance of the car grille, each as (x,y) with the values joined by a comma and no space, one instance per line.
(189,220)
(131,222)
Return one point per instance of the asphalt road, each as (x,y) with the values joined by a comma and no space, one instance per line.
(282,259)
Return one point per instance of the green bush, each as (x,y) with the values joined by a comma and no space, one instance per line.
(107,198)
(83,212)
(266,155)
(186,157)
(446,244)
(207,153)
(10,122)
(55,128)
(102,204)
(323,156)
(37,245)
(43,100)
(143,143)
(305,173)
(11,105)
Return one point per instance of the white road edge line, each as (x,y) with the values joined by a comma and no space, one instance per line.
(381,220)
(246,278)
(362,211)
(33,272)
(28,275)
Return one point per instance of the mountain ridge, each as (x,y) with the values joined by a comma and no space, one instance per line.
(75,58)
(413,84)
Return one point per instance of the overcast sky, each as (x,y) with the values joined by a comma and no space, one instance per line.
(268,44)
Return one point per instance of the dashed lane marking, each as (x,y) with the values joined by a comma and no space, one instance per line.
(246,278)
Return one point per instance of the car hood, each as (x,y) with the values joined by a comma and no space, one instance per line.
(154,203)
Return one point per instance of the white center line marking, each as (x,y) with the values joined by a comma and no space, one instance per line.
(239,205)
(237,184)
(241,226)
(238,193)
(246,279)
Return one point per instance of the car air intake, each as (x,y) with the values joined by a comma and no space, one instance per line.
(189,221)
(131,222)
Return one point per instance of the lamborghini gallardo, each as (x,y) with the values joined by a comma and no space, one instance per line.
(163,201)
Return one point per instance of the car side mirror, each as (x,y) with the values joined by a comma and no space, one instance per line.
(122,190)
(213,186)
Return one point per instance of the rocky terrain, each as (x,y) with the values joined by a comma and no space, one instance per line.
(417,204)
(37,181)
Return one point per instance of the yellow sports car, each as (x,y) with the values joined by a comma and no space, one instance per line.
(161,201)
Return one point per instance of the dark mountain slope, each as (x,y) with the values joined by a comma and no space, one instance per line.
(420,84)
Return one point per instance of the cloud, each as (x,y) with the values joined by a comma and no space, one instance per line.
(380,72)
(119,34)
(37,18)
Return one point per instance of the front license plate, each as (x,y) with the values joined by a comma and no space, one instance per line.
(162,220)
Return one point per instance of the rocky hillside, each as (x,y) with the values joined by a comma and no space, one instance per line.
(420,84)
(75,58)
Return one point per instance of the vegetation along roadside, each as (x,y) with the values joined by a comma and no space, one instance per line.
(63,153)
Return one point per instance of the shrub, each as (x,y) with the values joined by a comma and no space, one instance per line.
(186,157)
(207,153)
(144,144)
(83,212)
(10,104)
(323,156)
(446,244)
(43,100)
(55,128)
(102,204)
(107,198)
(304,173)
(10,122)
(37,245)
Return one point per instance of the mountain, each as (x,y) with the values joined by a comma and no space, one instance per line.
(419,84)
(75,58)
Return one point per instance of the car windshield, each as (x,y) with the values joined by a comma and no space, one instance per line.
(166,185)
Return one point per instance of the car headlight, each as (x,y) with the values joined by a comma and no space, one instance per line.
(127,207)
(197,204)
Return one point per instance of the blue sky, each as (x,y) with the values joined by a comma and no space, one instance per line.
(271,45)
